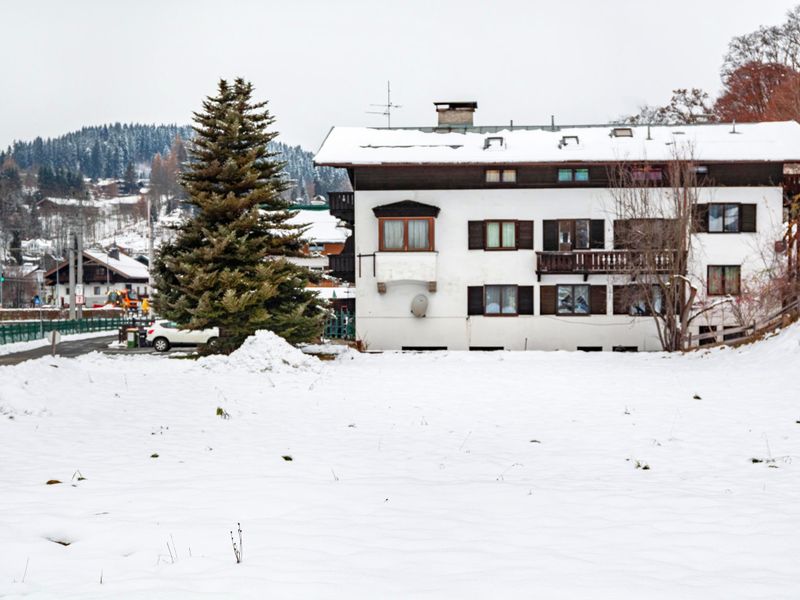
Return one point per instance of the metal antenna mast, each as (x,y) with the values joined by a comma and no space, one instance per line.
(387,108)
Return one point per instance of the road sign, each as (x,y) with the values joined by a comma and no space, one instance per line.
(54,337)
(79,299)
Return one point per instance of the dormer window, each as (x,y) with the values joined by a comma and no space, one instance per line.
(573,175)
(501,175)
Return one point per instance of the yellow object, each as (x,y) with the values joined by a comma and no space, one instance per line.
(124,298)
(145,306)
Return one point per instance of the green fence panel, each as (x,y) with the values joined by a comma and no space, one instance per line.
(341,325)
(25,332)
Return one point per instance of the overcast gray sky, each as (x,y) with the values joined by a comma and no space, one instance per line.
(321,63)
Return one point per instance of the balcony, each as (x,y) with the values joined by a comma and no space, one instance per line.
(599,262)
(342,205)
(343,266)
(405,266)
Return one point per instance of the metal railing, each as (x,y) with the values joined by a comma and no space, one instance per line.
(37,330)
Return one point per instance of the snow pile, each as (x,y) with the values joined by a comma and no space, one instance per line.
(264,351)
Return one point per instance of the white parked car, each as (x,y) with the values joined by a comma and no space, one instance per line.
(165,334)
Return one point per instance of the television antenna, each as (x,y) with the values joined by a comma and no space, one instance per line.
(387,108)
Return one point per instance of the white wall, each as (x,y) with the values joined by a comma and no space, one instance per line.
(384,320)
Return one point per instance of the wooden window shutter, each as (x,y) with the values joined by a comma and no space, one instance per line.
(597,299)
(550,236)
(475,235)
(525,235)
(597,234)
(620,299)
(700,218)
(547,300)
(525,300)
(747,218)
(475,300)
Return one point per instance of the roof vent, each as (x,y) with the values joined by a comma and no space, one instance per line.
(622,132)
(493,142)
(455,113)
(567,140)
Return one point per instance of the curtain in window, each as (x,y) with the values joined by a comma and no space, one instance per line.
(492,235)
(393,235)
(493,299)
(715,217)
(509,231)
(509,300)
(732,280)
(492,176)
(715,287)
(418,234)
(731,217)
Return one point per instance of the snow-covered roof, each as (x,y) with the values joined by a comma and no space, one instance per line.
(774,141)
(323,227)
(124,264)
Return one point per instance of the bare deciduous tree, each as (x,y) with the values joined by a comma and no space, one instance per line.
(655,210)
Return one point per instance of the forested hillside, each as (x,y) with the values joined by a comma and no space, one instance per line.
(106,151)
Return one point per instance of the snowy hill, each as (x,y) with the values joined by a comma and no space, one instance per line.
(466,475)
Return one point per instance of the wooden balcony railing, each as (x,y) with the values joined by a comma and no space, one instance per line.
(342,205)
(590,262)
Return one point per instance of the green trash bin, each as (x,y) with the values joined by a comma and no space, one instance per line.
(132,337)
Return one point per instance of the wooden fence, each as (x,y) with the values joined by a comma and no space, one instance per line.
(746,332)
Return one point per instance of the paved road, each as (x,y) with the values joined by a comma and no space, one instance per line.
(69,349)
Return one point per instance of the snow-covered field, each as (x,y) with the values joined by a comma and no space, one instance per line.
(445,475)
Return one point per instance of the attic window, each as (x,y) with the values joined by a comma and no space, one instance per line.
(501,175)
(622,132)
(493,142)
(568,139)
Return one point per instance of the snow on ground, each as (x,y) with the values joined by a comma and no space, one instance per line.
(464,475)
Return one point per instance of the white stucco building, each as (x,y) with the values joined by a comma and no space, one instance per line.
(508,237)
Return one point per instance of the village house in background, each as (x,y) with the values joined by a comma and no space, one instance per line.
(327,237)
(103,273)
(509,237)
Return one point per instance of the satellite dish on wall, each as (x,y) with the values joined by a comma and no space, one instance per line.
(419,305)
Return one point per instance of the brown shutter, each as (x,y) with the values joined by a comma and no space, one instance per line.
(597,299)
(525,300)
(597,234)
(475,300)
(525,235)
(475,235)
(620,299)
(550,236)
(547,300)
(747,218)
(700,218)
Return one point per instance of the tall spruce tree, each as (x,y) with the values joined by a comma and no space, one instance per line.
(227,266)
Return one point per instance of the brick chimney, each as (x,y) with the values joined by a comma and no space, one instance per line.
(455,114)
